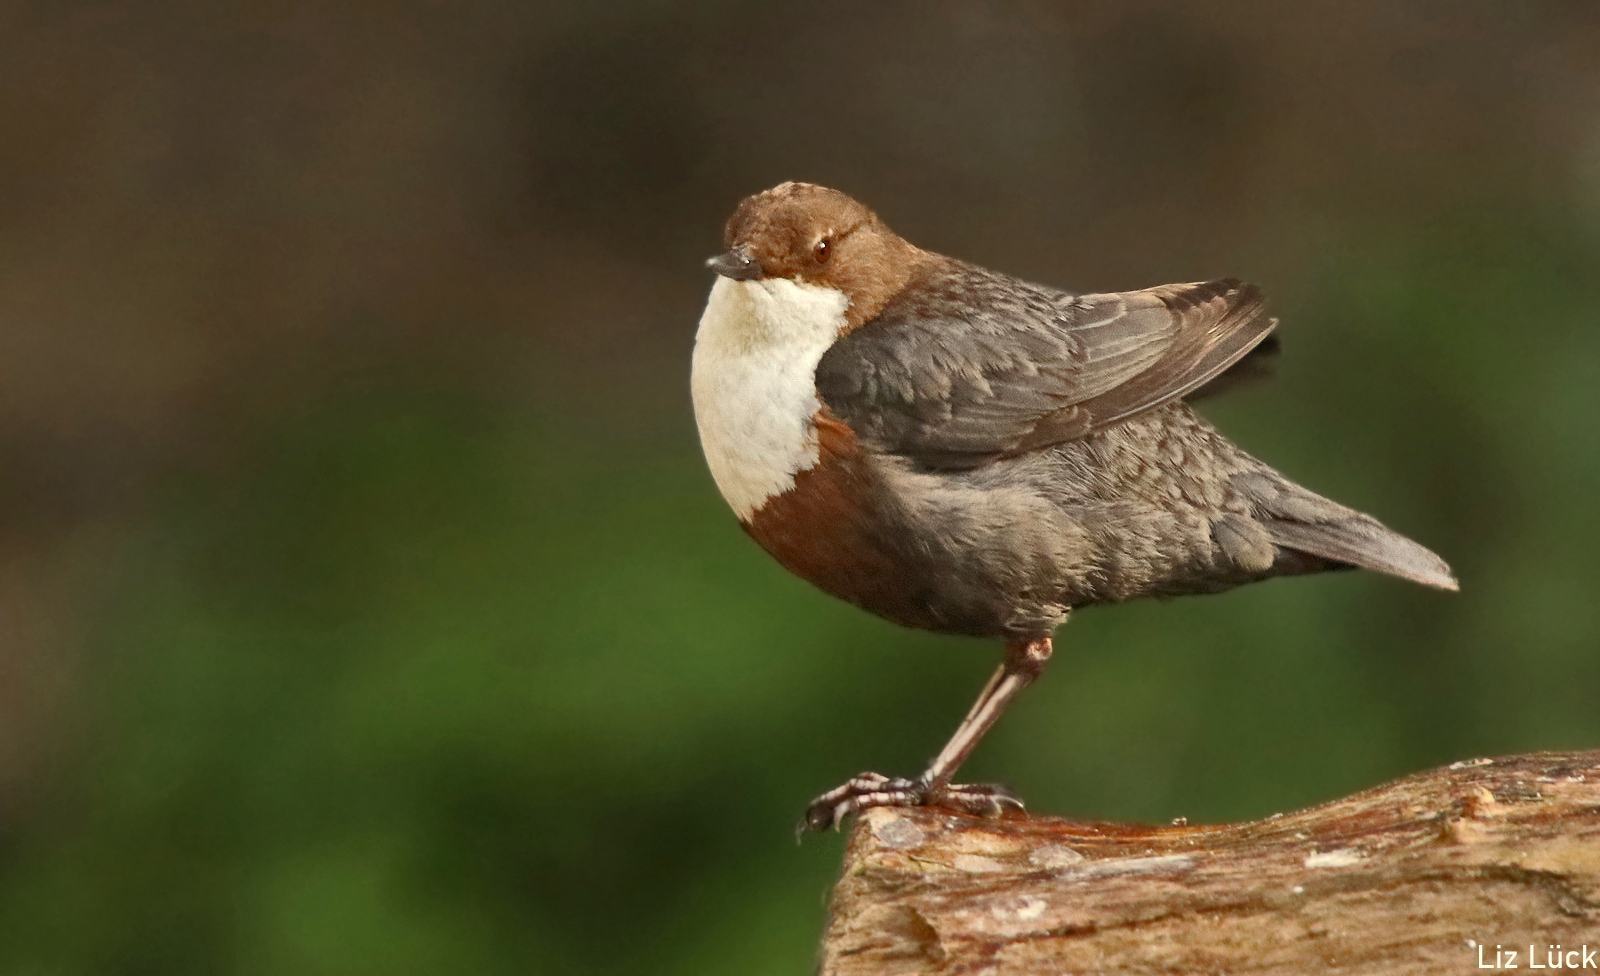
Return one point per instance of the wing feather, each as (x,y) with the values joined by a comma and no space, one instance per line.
(974,366)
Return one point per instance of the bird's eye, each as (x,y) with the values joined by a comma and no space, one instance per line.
(822,249)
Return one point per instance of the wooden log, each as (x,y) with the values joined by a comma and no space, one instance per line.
(1435,873)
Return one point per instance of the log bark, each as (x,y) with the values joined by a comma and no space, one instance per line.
(1435,873)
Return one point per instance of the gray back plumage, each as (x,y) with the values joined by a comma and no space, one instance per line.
(970,373)
(967,365)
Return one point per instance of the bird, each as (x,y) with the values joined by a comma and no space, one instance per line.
(961,451)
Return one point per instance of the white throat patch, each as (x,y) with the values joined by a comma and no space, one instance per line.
(754,383)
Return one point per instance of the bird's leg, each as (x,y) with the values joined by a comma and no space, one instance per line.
(1024,661)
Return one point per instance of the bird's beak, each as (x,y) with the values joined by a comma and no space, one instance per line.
(736,264)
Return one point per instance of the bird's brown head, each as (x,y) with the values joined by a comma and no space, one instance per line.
(816,236)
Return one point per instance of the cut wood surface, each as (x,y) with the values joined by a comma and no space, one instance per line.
(1435,873)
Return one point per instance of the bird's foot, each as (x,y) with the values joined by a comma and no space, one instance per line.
(876,790)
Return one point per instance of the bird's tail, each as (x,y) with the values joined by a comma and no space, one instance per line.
(1304,522)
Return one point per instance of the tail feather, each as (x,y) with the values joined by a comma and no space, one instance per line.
(1364,541)
(1302,521)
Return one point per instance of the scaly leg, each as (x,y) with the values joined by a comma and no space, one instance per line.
(1024,662)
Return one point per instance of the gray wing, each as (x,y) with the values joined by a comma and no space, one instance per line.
(1255,366)
(979,366)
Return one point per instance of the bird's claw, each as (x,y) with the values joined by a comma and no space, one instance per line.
(876,790)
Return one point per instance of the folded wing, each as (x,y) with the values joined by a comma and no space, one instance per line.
(980,366)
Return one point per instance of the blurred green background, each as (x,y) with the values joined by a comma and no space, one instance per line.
(365,606)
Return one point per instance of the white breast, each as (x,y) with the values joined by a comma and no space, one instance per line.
(754,383)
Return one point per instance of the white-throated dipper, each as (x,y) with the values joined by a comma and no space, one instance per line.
(960,451)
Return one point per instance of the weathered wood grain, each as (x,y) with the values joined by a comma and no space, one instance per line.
(1411,877)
